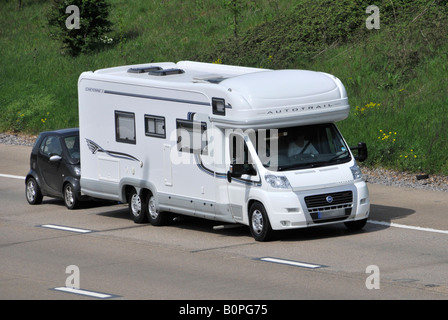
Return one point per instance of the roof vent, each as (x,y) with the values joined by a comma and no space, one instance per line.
(165,72)
(144,69)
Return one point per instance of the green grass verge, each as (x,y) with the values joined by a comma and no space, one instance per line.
(396,77)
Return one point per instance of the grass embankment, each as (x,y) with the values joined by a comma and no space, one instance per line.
(396,77)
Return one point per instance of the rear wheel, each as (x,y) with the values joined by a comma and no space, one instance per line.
(32,192)
(259,224)
(136,207)
(155,217)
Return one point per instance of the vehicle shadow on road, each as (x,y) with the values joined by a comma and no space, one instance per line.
(85,204)
(377,213)
(388,213)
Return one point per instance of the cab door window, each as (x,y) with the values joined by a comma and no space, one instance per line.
(240,157)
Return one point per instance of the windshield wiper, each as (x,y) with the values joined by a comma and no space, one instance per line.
(298,166)
(338,156)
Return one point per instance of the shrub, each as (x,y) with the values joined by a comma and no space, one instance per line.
(93,25)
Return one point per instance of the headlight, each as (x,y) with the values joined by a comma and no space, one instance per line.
(356,172)
(77,170)
(278,182)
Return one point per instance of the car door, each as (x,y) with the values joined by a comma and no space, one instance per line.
(49,163)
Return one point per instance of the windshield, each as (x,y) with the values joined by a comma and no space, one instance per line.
(72,144)
(301,147)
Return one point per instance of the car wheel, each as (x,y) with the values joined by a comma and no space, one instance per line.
(137,208)
(259,224)
(155,217)
(70,199)
(32,192)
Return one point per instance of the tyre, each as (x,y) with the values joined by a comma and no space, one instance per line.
(259,224)
(32,192)
(137,207)
(155,217)
(70,199)
(355,225)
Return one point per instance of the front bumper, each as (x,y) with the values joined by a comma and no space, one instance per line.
(290,210)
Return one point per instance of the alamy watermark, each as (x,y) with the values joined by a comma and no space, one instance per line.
(73,280)
(373,21)
(373,280)
(73,21)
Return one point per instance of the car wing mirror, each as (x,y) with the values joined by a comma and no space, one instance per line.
(55,158)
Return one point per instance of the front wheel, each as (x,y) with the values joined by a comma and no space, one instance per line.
(259,224)
(70,199)
(136,207)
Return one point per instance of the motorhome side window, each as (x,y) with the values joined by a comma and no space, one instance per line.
(125,127)
(191,136)
(155,126)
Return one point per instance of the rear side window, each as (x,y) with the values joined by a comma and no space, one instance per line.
(155,126)
(125,127)
(191,136)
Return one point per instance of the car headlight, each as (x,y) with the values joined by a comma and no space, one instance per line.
(278,182)
(356,172)
(77,170)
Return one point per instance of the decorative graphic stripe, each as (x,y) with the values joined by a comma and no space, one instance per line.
(94,148)
(134,95)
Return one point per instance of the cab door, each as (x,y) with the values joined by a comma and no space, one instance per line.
(242,175)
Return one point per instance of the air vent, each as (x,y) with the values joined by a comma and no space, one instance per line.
(165,72)
(144,69)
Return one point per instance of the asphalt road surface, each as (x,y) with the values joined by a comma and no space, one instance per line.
(402,252)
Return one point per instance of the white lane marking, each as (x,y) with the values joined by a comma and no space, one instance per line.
(85,292)
(12,176)
(392,224)
(52,226)
(292,263)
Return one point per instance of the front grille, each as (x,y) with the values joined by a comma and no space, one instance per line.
(320,202)
(330,206)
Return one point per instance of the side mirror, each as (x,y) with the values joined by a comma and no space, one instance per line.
(55,158)
(362,151)
(237,170)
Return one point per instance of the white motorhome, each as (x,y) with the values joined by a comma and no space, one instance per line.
(233,144)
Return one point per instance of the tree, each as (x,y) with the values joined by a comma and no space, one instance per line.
(81,25)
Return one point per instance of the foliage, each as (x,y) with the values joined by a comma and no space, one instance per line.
(396,77)
(93,25)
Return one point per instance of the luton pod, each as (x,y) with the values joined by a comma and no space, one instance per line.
(233,144)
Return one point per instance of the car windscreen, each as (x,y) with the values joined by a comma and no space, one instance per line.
(303,147)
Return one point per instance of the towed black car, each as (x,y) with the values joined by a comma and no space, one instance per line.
(55,168)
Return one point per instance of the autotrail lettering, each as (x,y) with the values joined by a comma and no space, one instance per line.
(298,109)
(166,142)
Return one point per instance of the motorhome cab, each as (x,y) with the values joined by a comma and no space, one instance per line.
(234,144)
